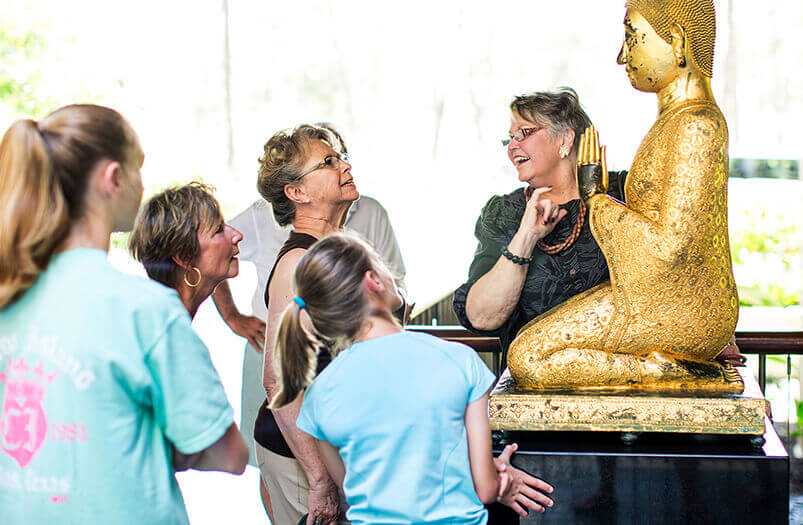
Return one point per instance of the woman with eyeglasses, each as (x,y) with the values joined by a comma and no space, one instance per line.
(535,246)
(307,179)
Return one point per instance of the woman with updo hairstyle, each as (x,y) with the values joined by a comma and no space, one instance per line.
(535,246)
(183,242)
(365,410)
(107,390)
(305,175)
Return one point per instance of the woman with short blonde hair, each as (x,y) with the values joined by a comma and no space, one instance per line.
(183,242)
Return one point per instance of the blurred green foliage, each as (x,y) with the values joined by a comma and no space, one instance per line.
(20,77)
(780,244)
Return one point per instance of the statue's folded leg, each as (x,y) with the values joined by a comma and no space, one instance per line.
(565,348)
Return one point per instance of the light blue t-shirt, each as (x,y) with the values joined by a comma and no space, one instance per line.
(394,406)
(100,373)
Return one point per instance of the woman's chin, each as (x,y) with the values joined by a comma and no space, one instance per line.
(352,195)
(234,269)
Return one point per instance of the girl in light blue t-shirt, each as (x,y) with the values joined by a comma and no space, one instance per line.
(400,418)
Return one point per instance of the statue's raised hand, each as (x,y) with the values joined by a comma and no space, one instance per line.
(592,173)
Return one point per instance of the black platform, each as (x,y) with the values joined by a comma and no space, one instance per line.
(659,479)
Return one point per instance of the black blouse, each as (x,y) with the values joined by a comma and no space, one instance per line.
(551,279)
(266,431)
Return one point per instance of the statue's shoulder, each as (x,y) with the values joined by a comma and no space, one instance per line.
(698,116)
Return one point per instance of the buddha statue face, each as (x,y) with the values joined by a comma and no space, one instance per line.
(650,62)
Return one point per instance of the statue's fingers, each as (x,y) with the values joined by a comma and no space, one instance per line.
(584,145)
(580,148)
(604,161)
(595,148)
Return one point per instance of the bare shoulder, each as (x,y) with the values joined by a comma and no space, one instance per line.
(287,264)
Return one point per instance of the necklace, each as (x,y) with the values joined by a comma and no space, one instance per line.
(581,215)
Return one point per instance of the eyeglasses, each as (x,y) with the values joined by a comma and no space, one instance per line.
(519,135)
(329,161)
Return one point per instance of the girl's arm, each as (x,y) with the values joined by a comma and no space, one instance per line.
(480,458)
(333,461)
(498,479)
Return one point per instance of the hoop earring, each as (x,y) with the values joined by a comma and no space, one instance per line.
(563,151)
(187,281)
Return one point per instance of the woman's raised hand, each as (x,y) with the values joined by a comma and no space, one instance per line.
(540,214)
(592,171)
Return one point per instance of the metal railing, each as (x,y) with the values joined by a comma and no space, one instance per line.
(757,343)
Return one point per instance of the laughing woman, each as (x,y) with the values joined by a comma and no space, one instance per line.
(535,245)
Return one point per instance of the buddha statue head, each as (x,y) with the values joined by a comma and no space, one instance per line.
(665,38)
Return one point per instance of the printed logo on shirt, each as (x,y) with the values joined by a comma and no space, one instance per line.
(24,425)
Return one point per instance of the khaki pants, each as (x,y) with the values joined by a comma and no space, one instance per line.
(286,483)
(287,486)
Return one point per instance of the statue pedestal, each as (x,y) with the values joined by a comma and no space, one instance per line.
(645,458)
(512,409)
(658,479)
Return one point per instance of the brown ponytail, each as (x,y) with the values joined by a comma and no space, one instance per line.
(296,356)
(44,168)
(329,280)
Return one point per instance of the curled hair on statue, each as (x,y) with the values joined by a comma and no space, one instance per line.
(329,279)
(696,17)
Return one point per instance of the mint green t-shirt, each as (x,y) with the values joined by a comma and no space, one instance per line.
(99,374)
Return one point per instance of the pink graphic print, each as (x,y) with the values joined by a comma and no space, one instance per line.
(23,426)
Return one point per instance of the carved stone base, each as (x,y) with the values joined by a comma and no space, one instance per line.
(512,409)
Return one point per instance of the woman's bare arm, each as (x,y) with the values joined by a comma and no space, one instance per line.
(493,297)
(323,501)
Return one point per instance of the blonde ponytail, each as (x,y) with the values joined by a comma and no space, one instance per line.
(33,214)
(44,169)
(295,356)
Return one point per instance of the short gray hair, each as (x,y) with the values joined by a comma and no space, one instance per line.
(555,111)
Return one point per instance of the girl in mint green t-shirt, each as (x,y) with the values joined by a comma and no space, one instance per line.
(101,375)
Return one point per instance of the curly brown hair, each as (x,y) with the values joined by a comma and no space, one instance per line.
(284,155)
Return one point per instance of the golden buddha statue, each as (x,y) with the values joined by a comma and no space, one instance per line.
(671,304)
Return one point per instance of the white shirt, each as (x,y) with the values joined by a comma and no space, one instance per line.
(263,238)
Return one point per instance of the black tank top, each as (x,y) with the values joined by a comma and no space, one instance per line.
(266,431)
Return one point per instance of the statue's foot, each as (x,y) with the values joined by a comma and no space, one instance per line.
(667,373)
(596,370)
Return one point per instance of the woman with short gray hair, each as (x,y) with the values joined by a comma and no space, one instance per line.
(535,245)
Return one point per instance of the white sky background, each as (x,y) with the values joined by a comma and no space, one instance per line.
(419,89)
